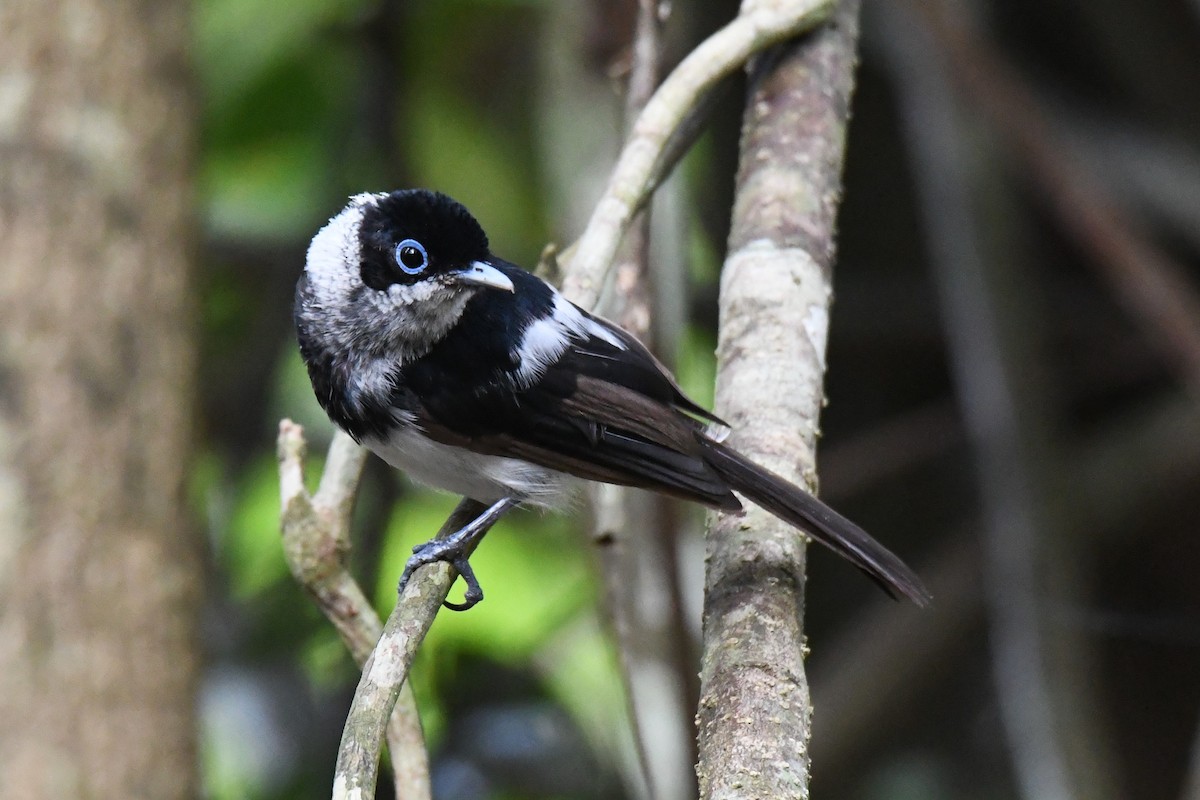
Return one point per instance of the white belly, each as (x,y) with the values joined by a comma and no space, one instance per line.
(480,477)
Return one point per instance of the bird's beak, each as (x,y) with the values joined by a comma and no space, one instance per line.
(481,273)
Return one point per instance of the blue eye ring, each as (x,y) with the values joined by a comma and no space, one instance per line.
(411,257)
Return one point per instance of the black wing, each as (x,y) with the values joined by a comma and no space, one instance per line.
(607,410)
(579,419)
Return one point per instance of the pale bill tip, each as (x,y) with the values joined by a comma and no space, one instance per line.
(481,273)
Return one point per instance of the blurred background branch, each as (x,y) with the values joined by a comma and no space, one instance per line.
(1059,747)
(636,533)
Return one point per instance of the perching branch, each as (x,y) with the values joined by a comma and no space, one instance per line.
(755,713)
(386,670)
(316,540)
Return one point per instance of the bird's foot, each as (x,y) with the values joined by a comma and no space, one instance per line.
(454,554)
(455,549)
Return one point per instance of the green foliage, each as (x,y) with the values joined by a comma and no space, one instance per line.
(696,365)
(275,90)
(240,41)
(251,553)
(454,151)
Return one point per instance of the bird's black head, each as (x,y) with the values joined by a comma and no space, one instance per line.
(392,273)
(414,235)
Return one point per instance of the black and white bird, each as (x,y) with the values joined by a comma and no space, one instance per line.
(474,376)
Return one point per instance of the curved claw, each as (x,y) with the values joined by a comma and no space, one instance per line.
(474,593)
(409,568)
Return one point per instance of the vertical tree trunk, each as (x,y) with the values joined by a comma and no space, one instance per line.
(755,714)
(98,571)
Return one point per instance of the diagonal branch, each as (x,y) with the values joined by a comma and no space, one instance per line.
(386,670)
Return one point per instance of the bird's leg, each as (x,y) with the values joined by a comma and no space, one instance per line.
(455,549)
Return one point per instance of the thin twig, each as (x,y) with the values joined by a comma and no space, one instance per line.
(316,541)
(755,714)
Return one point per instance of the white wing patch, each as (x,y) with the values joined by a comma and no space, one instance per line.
(546,339)
(602,331)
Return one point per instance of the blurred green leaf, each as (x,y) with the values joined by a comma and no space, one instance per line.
(696,365)
(261,193)
(275,112)
(325,658)
(249,549)
(239,40)
(583,673)
(294,399)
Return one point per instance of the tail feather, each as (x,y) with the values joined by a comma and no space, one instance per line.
(797,507)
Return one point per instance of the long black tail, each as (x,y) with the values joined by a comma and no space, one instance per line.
(799,508)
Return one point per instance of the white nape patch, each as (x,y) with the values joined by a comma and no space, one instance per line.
(367,199)
(548,338)
(481,477)
(332,261)
(333,255)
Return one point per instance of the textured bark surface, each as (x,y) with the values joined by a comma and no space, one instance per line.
(98,572)
(754,714)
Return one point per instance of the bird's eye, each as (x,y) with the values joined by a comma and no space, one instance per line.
(411,256)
